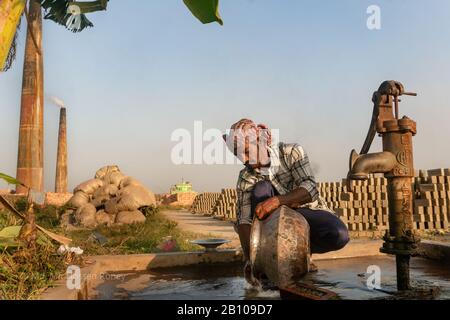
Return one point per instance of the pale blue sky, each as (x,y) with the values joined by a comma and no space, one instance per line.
(307,68)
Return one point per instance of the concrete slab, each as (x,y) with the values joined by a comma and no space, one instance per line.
(96,272)
(434,250)
(355,248)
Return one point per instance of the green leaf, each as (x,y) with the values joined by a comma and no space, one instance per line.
(10,232)
(11,180)
(91,6)
(205,10)
(8,243)
(9,235)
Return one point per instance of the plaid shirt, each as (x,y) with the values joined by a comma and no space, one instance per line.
(289,169)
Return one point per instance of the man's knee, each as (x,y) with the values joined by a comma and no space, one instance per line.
(262,189)
(339,237)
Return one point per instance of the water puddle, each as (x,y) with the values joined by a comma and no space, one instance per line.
(347,277)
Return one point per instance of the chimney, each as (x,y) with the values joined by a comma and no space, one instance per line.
(30,159)
(61,158)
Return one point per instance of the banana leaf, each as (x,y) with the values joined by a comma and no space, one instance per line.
(11,11)
(205,10)
(8,238)
(10,232)
(9,235)
(11,180)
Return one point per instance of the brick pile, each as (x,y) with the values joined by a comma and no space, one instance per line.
(432,199)
(363,207)
(225,206)
(205,202)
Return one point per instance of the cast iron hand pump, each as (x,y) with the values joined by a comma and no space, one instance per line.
(396,162)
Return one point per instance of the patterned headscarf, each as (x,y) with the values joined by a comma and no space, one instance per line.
(246,129)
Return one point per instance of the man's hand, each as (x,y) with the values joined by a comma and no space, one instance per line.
(265,208)
(248,274)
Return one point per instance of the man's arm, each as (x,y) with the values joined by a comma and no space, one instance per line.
(244,222)
(305,189)
(296,197)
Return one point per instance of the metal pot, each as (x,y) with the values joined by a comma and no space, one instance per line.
(279,247)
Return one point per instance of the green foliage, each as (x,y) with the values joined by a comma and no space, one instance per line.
(136,238)
(148,211)
(7,219)
(21,204)
(48,216)
(10,180)
(205,10)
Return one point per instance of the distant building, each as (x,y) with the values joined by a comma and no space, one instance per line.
(181,187)
(181,194)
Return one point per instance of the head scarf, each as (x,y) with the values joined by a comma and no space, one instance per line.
(246,129)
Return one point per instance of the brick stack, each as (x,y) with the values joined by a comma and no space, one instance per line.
(363,207)
(225,207)
(205,202)
(432,203)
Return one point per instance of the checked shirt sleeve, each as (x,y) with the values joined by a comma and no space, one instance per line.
(302,172)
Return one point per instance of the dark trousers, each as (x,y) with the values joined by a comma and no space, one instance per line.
(327,231)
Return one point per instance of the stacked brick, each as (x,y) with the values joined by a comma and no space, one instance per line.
(363,206)
(432,203)
(225,207)
(205,202)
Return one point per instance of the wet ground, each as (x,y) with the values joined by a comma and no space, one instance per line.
(347,277)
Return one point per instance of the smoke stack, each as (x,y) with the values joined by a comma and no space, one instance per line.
(61,158)
(30,160)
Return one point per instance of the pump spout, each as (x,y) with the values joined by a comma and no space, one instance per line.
(363,165)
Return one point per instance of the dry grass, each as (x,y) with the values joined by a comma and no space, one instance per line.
(25,274)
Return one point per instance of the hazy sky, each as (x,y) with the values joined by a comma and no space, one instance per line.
(308,69)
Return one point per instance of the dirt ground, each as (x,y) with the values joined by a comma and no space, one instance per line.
(207,226)
(211,227)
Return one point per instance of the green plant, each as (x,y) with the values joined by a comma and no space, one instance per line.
(135,238)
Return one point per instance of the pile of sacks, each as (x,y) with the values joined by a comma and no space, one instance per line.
(110,198)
